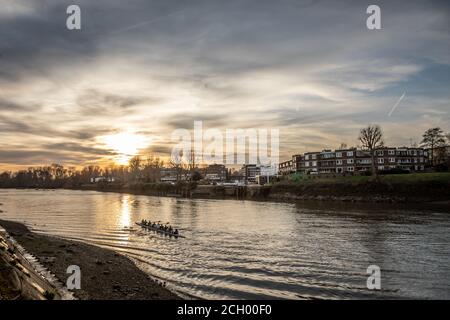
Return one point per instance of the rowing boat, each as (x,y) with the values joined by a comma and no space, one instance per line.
(159,230)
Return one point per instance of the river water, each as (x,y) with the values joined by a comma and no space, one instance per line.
(255,250)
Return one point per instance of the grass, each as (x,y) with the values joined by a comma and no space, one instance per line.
(441,177)
(418,177)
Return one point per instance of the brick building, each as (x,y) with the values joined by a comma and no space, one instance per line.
(351,160)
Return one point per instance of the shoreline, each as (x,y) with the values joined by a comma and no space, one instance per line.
(284,198)
(267,194)
(396,188)
(276,197)
(413,188)
(105,274)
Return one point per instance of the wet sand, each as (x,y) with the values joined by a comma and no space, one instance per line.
(105,274)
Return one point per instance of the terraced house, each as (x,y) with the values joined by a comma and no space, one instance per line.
(352,160)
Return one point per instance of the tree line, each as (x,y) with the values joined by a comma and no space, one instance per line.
(57,176)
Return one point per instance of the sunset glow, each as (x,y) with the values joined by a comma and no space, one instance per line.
(126,145)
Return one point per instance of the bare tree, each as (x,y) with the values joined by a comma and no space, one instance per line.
(135,167)
(371,139)
(152,168)
(433,138)
(176,164)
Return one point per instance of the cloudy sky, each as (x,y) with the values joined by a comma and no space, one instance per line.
(139,69)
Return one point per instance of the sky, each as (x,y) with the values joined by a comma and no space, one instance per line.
(139,69)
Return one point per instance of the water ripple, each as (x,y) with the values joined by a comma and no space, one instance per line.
(252,250)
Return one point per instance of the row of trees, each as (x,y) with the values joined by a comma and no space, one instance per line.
(145,169)
(139,168)
(56,176)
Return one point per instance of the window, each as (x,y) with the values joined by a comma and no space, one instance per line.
(350,169)
(306,164)
(307,157)
(350,161)
(339,162)
(380,160)
(380,152)
(314,163)
(314,156)
(391,159)
(338,154)
(349,153)
(391,152)
(381,168)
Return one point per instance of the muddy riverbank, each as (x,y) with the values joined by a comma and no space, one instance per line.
(105,274)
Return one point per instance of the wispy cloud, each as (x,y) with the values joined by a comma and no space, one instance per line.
(148,67)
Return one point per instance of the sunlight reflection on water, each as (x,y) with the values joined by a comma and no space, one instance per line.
(244,249)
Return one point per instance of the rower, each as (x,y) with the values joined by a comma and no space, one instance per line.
(176,231)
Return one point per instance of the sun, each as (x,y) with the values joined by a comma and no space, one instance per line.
(126,145)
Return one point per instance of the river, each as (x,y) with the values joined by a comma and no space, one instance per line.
(255,250)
